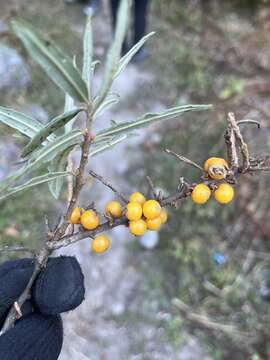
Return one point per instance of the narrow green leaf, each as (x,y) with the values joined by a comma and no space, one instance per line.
(129,55)
(57,65)
(34,182)
(53,149)
(44,156)
(53,125)
(88,54)
(113,57)
(19,121)
(59,164)
(69,105)
(110,100)
(106,145)
(149,119)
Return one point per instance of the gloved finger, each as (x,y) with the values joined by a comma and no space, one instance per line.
(60,287)
(14,276)
(35,337)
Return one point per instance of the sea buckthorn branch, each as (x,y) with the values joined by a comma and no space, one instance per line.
(80,235)
(210,182)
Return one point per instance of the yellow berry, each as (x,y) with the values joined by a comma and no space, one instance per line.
(114,209)
(201,194)
(137,197)
(137,227)
(153,224)
(134,211)
(100,244)
(163,216)
(75,216)
(90,220)
(216,168)
(151,209)
(224,193)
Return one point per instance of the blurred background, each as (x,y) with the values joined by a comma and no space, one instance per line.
(201,288)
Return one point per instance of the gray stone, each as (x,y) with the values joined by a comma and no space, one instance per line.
(14,72)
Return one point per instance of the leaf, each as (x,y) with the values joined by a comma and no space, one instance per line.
(57,65)
(129,55)
(106,144)
(111,100)
(55,148)
(19,121)
(69,105)
(88,54)
(59,164)
(113,57)
(44,155)
(149,119)
(53,125)
(34,182)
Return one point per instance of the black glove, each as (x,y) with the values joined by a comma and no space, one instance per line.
(58,288)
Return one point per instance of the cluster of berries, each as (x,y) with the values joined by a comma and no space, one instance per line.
(217,169)
(142,215)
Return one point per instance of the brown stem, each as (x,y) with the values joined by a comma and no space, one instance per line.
(78,184)
(41,260)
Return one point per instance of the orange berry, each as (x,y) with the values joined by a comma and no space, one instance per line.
(90,220)
(224,193)
(163,216)
(137,197)
(153,224)
(216,168)
(100,244)
(151,209)
(75,216)
(114,209)
(201,194)
(134,211)
(137,227)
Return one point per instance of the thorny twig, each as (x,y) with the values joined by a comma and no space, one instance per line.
(184,159)
(243,146)
(208,323)
(152,187)
(106,183)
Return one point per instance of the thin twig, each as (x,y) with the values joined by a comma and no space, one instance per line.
(110,186)
(41,260)
(71,239)
(206,322)
(78,184)
(240,139)
(184,159)
(151,186)
(230,141)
